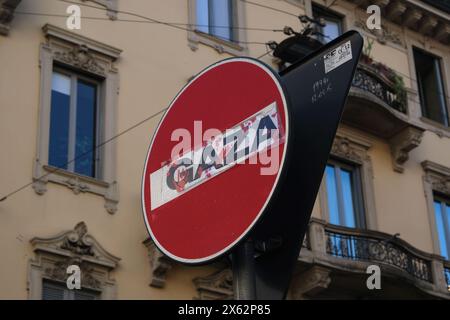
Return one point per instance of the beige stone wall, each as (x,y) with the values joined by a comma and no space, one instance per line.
(156,62)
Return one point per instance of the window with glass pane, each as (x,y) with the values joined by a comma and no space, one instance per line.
(57,291)
(442,217)
(73,123)
(216,18)
(431,87)
(344,195)
(333,24)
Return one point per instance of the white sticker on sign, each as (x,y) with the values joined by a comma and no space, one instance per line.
(234,146)
(337,56)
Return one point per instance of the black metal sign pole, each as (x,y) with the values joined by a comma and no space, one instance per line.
(243,264)
(317,88)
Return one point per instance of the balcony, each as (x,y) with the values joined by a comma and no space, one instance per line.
(377,100)
(382,83)
(334,260)
(378,104)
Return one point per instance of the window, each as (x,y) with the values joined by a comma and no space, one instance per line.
(58,291)
(333,24)
(74,123)
(216,18)
(344,195)
(79,87)
(430,86)
(442,217)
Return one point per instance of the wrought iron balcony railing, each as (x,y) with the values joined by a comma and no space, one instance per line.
(377,250)
(447,276)
(373,81)
(349,248)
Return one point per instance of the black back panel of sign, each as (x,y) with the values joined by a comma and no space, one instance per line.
(317,89)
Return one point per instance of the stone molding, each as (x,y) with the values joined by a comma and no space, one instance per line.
(74,247)
(216,286)
(402,143)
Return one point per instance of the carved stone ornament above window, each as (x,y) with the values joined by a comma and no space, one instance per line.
(80,57)
(110,5)
(417,16)
(159,265)
(72,50)
(80,52)
(382,35)
(438,176)
(7,8)
(348,149)
(216,286)
(74,247)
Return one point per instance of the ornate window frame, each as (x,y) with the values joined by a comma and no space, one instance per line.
(436,179)
(195,37)
(439,50)
(74,247)
(89,56)
(215,286)
(353,148)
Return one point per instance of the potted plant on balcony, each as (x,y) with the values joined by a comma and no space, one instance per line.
(391,79)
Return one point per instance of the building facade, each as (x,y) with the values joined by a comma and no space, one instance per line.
(385,194)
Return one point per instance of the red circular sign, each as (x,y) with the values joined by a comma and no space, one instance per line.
(198,202)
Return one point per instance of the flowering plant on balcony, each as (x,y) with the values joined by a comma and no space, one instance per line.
(393,83)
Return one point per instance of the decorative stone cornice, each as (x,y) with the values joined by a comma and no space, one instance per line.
(349,147)
(51,31)
(216,286)
(80,52)
(427,25)
(383,35)
(438,176)
(81,58)
(402,143)
(412,17)
(443,32)
(78,245)
(58,272)
(159,265)
(416,15)
(74,247)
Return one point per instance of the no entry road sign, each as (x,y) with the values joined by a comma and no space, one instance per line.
(215,160)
